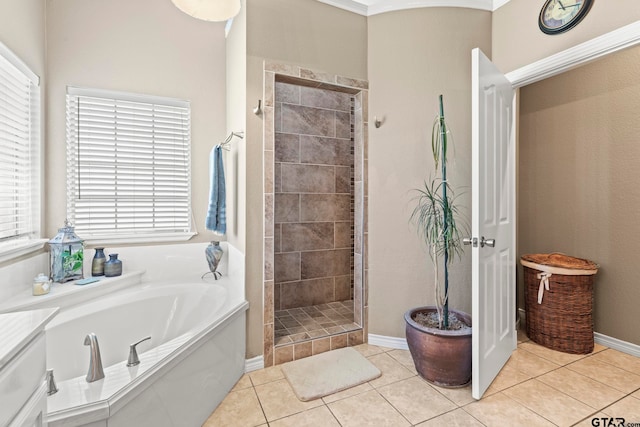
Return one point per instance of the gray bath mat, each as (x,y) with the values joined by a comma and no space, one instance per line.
(327,373)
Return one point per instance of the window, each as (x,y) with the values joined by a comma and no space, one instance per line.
(19,157)
(128,168)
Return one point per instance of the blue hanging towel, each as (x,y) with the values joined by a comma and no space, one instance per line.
(216,214)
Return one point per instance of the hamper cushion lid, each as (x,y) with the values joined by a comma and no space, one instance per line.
(561,261)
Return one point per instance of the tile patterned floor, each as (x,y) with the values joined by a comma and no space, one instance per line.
(537,387)
(305,323)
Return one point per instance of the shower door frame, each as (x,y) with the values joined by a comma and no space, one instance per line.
(278,72)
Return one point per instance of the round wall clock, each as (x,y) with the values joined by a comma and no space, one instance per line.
(558,16)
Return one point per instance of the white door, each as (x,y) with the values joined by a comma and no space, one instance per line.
(493,222)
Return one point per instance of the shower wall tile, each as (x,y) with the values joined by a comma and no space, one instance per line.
(269,301)
(287,268)
(287,93)
(277,229)
(355,83)
(308,120)
(343,125)
(269,89)
(343,287)
(317,75)
(305,293)
(268,217)
(321,98)
(268,172)
(268,115)
(343,179)
(268,256)
(307,178)
(276,296)
(325,151)
(287,207)
(317,264)
(287,147)
(277,117)
(277,177)
(307,236)
(325,207)
(342,237)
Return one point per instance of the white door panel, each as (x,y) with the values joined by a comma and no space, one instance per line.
(493,218)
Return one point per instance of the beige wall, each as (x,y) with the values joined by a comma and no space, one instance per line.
(306,33)
(578,190)
(141,46)
(517,40)
(413,57)
(236,107)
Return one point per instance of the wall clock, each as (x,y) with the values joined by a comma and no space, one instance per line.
(558,16)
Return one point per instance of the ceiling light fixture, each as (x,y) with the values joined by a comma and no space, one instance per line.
(209,10)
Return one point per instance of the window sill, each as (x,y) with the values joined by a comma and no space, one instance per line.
(18,248)
(106,240)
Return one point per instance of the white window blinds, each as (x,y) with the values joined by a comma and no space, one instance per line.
(19,151)
(128,164)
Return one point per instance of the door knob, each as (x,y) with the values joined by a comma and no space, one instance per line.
(489,242)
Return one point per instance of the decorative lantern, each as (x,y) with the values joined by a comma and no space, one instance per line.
(66,253)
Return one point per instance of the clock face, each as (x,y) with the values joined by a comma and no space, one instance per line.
(558,16)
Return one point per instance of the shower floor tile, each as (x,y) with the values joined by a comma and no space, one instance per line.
(302,324)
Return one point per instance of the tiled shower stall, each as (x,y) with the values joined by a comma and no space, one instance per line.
(315,274)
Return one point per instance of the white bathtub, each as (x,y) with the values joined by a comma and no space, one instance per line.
(195,356)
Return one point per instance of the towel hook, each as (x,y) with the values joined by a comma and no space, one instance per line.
(377,122)
(258,110)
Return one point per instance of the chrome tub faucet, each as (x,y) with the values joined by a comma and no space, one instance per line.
(95,361)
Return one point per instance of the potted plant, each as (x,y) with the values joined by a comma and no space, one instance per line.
(439,339)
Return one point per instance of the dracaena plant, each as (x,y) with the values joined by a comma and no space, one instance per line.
(437,217)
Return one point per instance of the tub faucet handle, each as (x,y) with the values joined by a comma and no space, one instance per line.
(133,353)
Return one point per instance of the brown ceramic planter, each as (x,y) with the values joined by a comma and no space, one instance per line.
(441,357)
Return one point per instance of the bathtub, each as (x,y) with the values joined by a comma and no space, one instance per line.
(195,356)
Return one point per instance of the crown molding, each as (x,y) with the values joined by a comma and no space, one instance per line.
(375,7)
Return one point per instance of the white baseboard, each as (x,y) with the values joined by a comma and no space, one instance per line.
(616,344)
(389,342)
(254,364)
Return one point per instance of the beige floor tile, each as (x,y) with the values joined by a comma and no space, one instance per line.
(546,353)
(599,347)
(529,363)
(636,394)
(238,408)
(266,375)
(460,396)
(549,403)
(619,359)
(508,377)
(501,410)
(416,400)
(627,408)
(589,391)
(391,369)
(402,356)
(457,418)
(588,422)
(369,350)
(607,374)
(243,382)
(278,400)
(359,389)
(367,409)
(316,417)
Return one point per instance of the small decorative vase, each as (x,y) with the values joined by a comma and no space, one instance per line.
(214,254)
(97,265)
(113,267)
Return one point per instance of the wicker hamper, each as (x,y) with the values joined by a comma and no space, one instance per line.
(558,292)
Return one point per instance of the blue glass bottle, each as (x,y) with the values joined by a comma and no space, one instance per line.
(113,267)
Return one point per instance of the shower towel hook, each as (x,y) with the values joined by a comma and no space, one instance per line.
(377,122)
(258,110)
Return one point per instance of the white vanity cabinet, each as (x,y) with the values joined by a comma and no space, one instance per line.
(23,392)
